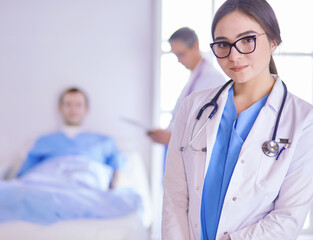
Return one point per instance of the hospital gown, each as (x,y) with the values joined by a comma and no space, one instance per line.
(67,178)
(93,146)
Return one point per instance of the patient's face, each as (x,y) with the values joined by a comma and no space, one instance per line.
(73,108)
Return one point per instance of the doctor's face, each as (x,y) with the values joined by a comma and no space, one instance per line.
(185,55)
(73,108)
(238,66)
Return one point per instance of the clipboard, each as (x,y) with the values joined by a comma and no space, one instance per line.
(135,123)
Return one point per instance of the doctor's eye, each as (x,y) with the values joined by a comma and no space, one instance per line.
(247,40)
(221,45)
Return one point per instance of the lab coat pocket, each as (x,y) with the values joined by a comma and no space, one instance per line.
(196,148)
(193,157)
(194,162)
(272,171)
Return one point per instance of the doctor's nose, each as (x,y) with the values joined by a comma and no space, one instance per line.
(234,54)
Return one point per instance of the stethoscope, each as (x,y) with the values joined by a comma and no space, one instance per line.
(270,147)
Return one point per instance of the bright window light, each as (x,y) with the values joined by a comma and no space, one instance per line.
(296,31)
(296,72)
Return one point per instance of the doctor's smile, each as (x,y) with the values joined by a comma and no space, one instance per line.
(239,68)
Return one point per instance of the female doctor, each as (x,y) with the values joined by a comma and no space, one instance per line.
(240,167)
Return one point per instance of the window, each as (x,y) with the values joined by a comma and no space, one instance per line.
(294,58)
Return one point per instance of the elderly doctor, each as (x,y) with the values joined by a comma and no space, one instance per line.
(240,167)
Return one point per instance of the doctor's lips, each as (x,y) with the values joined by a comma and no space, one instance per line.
(239,68)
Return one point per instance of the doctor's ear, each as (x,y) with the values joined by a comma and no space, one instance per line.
(273,45)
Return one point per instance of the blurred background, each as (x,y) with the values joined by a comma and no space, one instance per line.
(117,51)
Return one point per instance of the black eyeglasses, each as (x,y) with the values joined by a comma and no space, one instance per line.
(243,45)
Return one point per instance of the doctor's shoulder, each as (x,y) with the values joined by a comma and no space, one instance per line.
(214,77)
(203,96)
(297,120)
(191,105)
(299,107)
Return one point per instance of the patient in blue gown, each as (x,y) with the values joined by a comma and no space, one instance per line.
(69,174)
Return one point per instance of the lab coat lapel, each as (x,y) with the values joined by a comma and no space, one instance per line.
(212,127)
(265,122)
(251,156)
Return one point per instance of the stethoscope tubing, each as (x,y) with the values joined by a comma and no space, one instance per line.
(280,111)
(213,102)
(267,146)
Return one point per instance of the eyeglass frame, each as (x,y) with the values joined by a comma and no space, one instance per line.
(231,45)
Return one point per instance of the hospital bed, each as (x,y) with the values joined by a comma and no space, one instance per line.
(132,226)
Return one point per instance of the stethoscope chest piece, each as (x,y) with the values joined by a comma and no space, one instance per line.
(270,148)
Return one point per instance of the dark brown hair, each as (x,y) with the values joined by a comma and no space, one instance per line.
(73,90)
(260,11)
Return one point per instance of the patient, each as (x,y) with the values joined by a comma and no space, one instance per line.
(69,174)
(72,140)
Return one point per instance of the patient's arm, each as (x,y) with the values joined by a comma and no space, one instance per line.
(34,152)
(30,162)
(118,179)
(117,161)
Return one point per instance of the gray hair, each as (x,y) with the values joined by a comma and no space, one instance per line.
(186,35)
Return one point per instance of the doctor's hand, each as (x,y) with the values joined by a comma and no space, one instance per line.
(160,136)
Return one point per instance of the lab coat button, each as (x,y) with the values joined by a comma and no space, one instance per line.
(225,233)
(196,225)
(243,161)
(234,199)
(197,188)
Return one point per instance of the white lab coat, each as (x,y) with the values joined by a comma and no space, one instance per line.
(202,77)
(267,199)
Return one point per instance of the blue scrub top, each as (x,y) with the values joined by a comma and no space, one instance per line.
(232,132)
(95,147)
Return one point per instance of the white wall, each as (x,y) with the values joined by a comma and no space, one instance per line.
(102,46)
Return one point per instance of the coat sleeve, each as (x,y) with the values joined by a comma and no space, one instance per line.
(291,206)
(175,198)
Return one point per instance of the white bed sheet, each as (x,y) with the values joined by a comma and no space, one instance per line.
(126,228)
(131,227)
